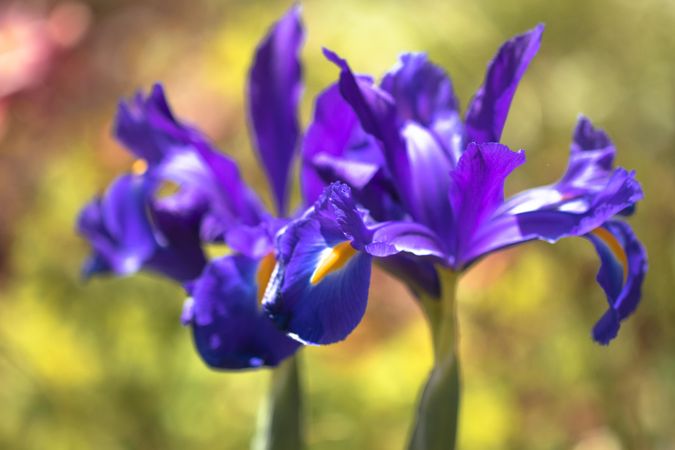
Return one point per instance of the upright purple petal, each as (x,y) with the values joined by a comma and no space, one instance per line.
(337,149)
(488,109)
(410,152)
(274,88)
(330,134)
(591,159)
(477,189)
(230,329)
(423,93)
(377,114)
(147,127)
(429,180)
(622,271)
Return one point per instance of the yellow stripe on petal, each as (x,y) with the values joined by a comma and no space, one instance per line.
(139,167)
(614,246)
(332,260)
(262,276)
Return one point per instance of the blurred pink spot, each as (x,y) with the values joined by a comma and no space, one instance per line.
(31,41)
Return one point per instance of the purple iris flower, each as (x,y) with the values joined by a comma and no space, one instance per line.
(419,189)
(135,227)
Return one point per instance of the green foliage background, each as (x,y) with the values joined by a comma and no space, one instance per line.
(106,365)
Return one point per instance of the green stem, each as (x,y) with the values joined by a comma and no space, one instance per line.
(435,425)
(280,421)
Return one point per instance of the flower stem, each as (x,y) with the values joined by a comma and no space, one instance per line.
(435,425)
(280,420)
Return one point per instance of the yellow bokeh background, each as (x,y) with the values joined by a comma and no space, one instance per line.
(106,364)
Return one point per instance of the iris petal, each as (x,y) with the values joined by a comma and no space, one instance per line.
(274,87)
(590,193)
(328,310)
(319,289)
(130,231)
(229,329)
(477,189)
(118,227)
(424,94)
(488,109)
(175,152)
(147,127)
(622,271)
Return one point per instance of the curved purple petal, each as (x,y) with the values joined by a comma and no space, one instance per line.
(333,130)
(179,154)
(274,88)
(130,231)
(323,311)
(622,271)
(377,115)
(414,158)
(391,238)
(147,127)
(337,149)
(229,328)
(117,225)
(477,190)
(591,159)
(488,109)
(589,193)
(552,220)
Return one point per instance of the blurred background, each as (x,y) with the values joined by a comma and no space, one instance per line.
(106,365)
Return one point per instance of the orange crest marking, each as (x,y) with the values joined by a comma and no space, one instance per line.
(614,246)
(334,259)
(262,276)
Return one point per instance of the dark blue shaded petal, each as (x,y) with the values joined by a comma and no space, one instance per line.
(130,231)
(477,189)
(323,312)
(177,223)
(274,88)
(622,271)
(118,228)
(488,109)
(230,330)
(321,306)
